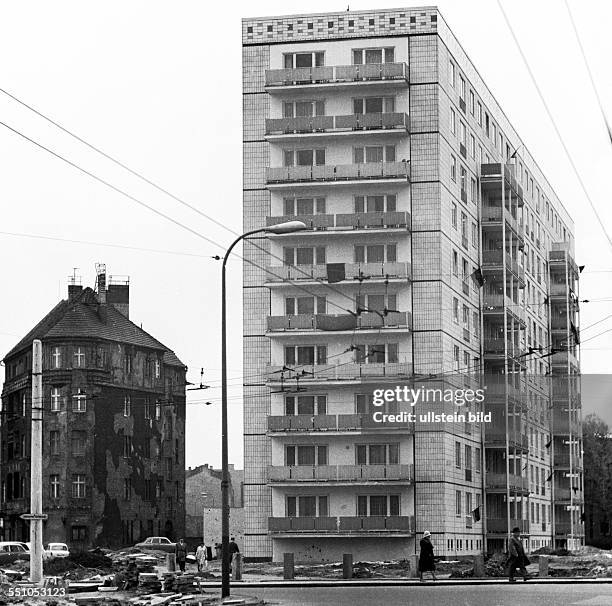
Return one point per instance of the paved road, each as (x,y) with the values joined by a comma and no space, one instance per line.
(521,594)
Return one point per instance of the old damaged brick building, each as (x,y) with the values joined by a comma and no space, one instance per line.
(114,425)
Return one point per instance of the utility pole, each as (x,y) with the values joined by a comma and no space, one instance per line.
(36,516)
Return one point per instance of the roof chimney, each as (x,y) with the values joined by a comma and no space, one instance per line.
(74,285)
(101,282)
(118,294)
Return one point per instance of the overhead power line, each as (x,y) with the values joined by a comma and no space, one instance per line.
(557,131)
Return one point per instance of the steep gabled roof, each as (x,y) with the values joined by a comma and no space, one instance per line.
(84,317)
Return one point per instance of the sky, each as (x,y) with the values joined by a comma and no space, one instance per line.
(158,86)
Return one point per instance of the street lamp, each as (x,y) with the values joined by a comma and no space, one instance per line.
(280,228)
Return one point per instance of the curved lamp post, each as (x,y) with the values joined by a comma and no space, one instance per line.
(281,228)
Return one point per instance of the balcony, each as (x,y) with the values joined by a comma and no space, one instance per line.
(340,474)
(341,423)
(343,372)
(353,271)
(500,482)
(334,77)
(322,126)
(339,174)
(496,215)
(492,173)
(514,441)
(494,260)
(343,526)
(304,323)
(500,525)
(565,528)
(346,223)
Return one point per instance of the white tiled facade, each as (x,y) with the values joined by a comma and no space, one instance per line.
(381,148)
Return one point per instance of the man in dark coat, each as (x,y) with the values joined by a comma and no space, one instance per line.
(181,554)
(517,557)
(426,557)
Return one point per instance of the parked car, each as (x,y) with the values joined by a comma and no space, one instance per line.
(56,550)
(157,543)
(11,551)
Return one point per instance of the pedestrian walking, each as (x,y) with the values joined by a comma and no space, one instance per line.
(517,557)
(426,557)
(201,557)
(181,554)
(233,548)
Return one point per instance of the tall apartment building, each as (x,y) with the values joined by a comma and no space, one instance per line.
(113,425)
(435,248)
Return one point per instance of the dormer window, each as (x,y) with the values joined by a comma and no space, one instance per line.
(312,59)
(373,55)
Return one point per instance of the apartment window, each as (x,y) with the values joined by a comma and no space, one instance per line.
(157,410)
(377,354)
(79,401)
(54,486)
(373,55)
(303,206)
(79,357)
(466,324)
(463,183)
(375,302)
(476,325)
(378,505)
(305,405)
(479,112)
(456,310)
(374,153)
(451,73)
(302,109)
(464,235)
(304,157)
(54,442)
(474,234)
(312,59)
(458,455)
(364,405)
(455,263)
(79,442)
(462,87)
(78,486)
(305,355)
(127,489)
(127,363)
(473,194)
(487,125)
(462,134)
(307,255)
(457,503)
(56,399)
(454,215)
(456,356)
(308,506)
(376,203)
(453,168)
(468,458)
(375,253)
(305,454)
(157,369)
(468,503)
(147,408)
(472,147)
(377,454)
(127,406)
(494,137)
(472,102)
(453,122)
(477,465)
(127,446)
(305,305)
(56,357)
(373,105)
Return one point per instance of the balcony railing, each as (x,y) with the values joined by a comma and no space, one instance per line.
(336,74)
(354,371)
(325,173)
(343,525)
(329,322)
(331,124)
(352,221)
(341,473)
(353,271)
(342,422)
(500,525)
(501,481)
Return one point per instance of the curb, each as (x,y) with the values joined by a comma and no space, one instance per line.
(411,582)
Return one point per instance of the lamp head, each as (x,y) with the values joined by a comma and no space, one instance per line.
(287,227)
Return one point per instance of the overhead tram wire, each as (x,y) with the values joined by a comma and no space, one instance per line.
(165,216)
(556,128)
(149,181)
